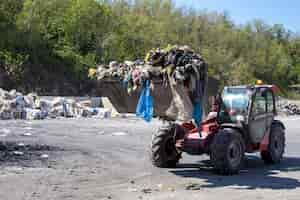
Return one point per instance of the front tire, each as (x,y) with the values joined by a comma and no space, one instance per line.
(163,150)
(276,146)
(227,152)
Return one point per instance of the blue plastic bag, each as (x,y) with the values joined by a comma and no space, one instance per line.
(145,105)
(197,115)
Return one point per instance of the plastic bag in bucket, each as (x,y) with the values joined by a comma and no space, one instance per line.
(145,105)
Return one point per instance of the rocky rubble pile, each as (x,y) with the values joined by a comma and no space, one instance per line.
(15,105)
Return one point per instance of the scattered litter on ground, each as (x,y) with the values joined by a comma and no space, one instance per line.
(44,156)
(132,190)
(18,153)
(27,134)
(162,187)
(147,191)
(119,134)
(21,144)
(101,133)
(193,186)
(28,128)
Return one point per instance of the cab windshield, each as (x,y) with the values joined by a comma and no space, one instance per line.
(235,105)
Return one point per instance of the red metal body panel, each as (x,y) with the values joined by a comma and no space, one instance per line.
(197,140)
(265,143)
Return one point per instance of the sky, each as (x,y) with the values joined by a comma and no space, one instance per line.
(286,12)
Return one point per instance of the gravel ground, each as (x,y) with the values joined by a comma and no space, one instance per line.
(76,159)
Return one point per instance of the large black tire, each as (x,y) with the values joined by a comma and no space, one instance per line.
(276,146)
(227,152)
(163,150)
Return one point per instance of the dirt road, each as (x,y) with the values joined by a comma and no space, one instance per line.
(89,159)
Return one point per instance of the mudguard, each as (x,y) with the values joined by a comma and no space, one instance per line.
(279,123)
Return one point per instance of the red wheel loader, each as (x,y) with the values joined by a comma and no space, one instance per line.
(244,122)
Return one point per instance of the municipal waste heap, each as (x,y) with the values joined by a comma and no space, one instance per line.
(288,108)
(179,67)
(15,105)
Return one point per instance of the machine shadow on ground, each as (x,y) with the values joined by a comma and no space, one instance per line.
(254,175)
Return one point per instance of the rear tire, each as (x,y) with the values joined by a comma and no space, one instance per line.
(227,152)
(276,146)
(163,150)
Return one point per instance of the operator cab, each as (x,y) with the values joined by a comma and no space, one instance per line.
(250,107)
(235,103)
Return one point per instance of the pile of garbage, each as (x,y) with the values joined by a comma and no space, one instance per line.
(177,66)
(15,105)
(176,60)
(291,109)
(286,107)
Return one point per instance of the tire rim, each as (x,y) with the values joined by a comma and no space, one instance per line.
(234,154)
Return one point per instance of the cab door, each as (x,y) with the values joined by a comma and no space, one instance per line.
(270,108)
(258,117)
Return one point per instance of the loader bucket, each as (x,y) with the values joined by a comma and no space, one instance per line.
(124,103)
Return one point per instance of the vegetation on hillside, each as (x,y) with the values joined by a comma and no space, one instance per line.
(42,42)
